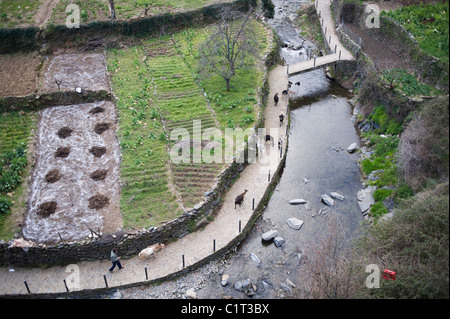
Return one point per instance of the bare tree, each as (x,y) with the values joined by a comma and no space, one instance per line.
(231,47)
(112,9)
(333,269)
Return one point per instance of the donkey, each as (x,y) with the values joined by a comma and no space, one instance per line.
(240,199)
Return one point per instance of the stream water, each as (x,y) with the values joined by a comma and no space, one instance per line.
(317,163)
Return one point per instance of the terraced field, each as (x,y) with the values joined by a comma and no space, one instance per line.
(15,128)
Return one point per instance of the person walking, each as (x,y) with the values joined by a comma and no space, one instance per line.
(281,119)
(115,259)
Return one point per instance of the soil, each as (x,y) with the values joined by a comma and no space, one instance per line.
(75,70)
(99,175)
(62,152)
(44,12)
(98,201)
(382,55)
(53,176)
(98,151)
(73,218)
(64,132)
(46,209)
(101,127)
(18,73)
(96,110)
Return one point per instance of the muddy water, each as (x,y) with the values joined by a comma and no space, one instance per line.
(317,163)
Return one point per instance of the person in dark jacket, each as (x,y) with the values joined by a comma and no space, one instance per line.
(115,259)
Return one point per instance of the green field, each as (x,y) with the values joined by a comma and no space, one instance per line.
(96,10)
(15,131)
(428,24)
(15,13)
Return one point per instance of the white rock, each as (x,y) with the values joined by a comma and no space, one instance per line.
(297,201)
(191,294)
(271,234)
(78,90)
(255,258)
(337,196)
(327,200)
(278,241)
(294,223)
(352,148)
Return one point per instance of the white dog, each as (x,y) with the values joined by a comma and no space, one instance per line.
(150,251)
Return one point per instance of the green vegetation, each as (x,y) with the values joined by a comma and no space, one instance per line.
(309,23)
(428,23)
(90,10)
(407,83)
(95,10)
(15,129)
(18,12)
(146,198)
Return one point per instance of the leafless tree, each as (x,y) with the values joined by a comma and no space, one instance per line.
(112,9)
(58,83)
(333,270)
(232,46)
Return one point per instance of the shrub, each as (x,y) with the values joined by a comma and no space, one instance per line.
(415,244)
(424,146)
(381,194)
(5,204)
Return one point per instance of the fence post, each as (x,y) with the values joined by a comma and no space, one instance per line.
(340,54)
(239,226)
(183,260)
(65,284)
(146,274)
(314,61)
(253,204)
(106,282)
(26,285)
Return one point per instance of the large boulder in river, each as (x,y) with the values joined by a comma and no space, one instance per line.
(327,200)
(337,196)
(297,201)
(352,148)
(269,235)
(365,199)
(294,223)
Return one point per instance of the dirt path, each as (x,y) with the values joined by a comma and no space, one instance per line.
(44,12)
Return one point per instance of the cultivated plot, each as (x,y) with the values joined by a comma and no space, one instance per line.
(70,71)
(75,185)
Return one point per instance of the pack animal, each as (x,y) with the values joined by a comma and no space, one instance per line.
(150,251)
(240,199)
